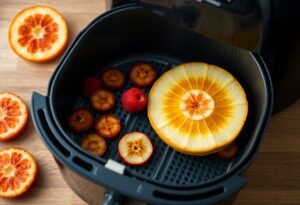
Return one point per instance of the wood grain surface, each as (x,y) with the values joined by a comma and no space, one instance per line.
(273,178)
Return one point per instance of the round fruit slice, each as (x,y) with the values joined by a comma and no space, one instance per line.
(94,143)
(13,116)
(81,120)
(142,75)
(229,152)
(135,148)
(197,108)
(18,171)
(113,79)
(108,126)
(103,100)
(38,33)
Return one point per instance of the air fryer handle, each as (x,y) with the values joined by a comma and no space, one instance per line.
(44,126)
(113,198)
(210,195)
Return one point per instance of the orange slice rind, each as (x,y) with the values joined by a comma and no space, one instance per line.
(38,33)
(197,108)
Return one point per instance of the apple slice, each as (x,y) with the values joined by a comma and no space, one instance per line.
(103,100)
(229,152)
(142,75)
(113,79)
(81,120)
(18,172)
(108,126)
(135,148)
(94,143)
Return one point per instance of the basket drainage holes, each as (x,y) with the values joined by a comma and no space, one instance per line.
(85,165)
(188,197)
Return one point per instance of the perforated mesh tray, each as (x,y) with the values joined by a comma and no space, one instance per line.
(166,165)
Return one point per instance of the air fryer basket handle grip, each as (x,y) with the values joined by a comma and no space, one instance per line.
(113,198)
(43,125)
(209,195)
(161,195)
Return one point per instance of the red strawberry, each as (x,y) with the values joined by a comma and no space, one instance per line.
(134,100)
(90,85)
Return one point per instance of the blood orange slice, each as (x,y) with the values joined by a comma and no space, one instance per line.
(13,116)
(18,171)
(197,108)
(38,33)
(135,148)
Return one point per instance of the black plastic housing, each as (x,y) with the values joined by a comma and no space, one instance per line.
(132,31)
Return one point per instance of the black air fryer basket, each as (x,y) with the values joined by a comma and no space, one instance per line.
(120,38)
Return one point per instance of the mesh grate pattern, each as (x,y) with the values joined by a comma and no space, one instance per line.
(166,165)
(187,170)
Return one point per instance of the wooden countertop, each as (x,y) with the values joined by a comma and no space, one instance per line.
(273,178)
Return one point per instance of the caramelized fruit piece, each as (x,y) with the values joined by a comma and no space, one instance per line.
(108,126)
(229,152)
(81,120)
(38,33)
(103,100)
(18,171)
(90,85)
(13,116)
(94,143)
(142,75)
(135,148)
(113,79)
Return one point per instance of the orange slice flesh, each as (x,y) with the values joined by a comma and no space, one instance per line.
(18,171)
(197,108)
(13,116)
(38,33)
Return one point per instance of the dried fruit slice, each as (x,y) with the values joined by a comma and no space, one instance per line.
(108,126)
(94,143)
(142,75)
(13,116)
(197,108)
(229,152)
(81,120)
(113,79)
(90,85)
(38,33)
(103,100)
(135,148)
(18,171)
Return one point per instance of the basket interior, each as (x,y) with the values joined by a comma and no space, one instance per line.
(144,36)
(166,165)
